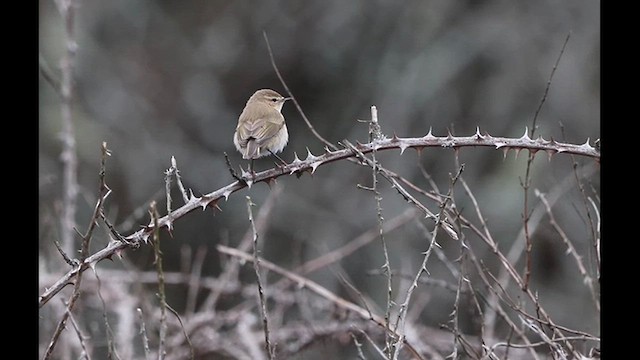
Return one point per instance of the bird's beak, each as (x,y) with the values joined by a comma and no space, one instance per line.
(287,98)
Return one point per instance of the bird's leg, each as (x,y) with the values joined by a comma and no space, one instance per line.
(284,163)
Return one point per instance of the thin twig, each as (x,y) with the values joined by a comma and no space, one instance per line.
(194,280)
(111,346)
(355,244)
(358,346)
(593,228)
(232,171)
(81,338)
(230,273)
(143,332)
(527,178)
(402,312)
(256,266)
(103,192)
(48,75)
(69,155)
(162,352)
(588,280)
(302,282)
(184,332)
(375,135)
(293,98)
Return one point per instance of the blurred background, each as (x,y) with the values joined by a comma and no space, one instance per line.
(156,79)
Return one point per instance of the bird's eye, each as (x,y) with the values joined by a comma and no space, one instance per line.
(274,99)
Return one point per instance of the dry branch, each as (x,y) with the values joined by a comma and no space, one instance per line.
(311,163)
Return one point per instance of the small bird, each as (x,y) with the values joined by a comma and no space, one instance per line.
(261,129)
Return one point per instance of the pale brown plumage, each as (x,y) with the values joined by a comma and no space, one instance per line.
(261,127)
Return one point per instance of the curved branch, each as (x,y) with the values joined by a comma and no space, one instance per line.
(311,163)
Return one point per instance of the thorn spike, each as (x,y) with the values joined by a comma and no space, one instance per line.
(403,147)
(526,134)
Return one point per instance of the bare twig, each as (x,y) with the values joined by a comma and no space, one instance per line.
(293,98)
(184,332)
(316,288)
(170,172)
(162,352)
(593,228)
(515,252)
(391,177)
(143,332)
(355,244)
(111,348)
(358,346)
(526,183)
(231,270)
(103,192)
(48,75)
(86,354)
(69,156)
(194,282)
(256,265)
(375,135)
(588,280)
(402,312)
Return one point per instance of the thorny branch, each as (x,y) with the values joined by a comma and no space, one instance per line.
(104,191)
(311,163)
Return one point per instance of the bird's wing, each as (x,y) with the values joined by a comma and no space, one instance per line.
(254,126)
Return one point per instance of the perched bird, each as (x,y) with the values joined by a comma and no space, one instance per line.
(261,129)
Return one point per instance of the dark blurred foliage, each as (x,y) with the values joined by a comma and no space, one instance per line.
(156,79)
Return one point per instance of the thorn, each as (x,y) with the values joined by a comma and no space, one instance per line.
(226,195)
(517,151)
(314,166)
(500,145)
(310,156)
(477,134)
(533,152)
(419,150)
(587,143)
(504,152)
(296,159)
(526,134)
(549,154)
(449,135)
(271,181)
(403,147)
(326,150)
(429,135)
(395,138)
